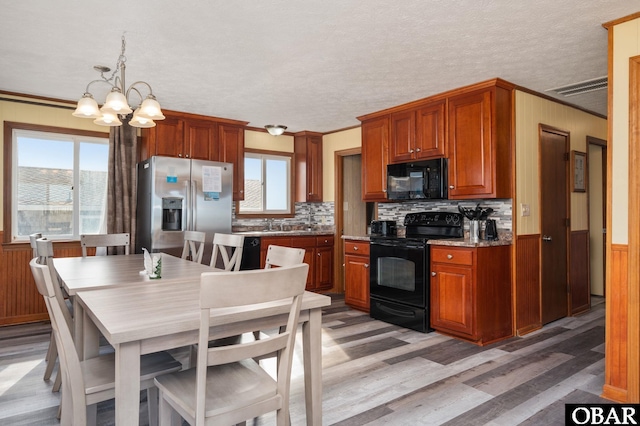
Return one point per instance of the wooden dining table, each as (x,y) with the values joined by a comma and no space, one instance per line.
(137,315)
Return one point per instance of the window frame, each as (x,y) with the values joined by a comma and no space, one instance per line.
(263,214)
(8,185)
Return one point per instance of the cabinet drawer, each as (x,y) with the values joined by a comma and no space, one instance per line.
(304,242)
(325,240)
(356,247)
(452,256)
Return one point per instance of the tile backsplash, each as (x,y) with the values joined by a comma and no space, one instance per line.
(502,210)
(319,215)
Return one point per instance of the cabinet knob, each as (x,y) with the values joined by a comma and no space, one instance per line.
(452,187)
(384,190)
(449,256)
(180,155)
(318,254)
(366,265)
(355,248)
(411,151)
(309,193)
(433,274)
(241,191)
(417,149)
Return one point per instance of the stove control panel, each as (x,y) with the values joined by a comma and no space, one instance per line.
(435,219)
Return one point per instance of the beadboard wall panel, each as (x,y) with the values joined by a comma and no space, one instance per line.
(527,284)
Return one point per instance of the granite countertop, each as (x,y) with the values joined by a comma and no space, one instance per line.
(505,239)
(286,233)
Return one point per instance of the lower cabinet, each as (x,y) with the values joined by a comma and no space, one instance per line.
(318,255)
(471,293)
(356,274)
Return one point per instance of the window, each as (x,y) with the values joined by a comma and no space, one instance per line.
(58,183)
(267,184)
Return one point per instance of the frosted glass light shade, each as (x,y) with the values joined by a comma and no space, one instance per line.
(108,119)
(87,107)
(275,130)
(116,103)
(150,109)
(139,121)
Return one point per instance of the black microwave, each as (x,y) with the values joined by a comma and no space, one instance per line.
(420,180)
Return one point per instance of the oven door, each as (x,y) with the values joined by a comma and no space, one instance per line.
(398,271)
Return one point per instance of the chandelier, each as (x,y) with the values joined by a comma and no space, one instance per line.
(117,104)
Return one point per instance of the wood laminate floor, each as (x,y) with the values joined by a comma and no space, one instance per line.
(375,373)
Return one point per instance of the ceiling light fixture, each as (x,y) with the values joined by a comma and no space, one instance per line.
(117,103)
(275,129)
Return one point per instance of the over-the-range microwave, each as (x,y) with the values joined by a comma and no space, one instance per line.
(420,180)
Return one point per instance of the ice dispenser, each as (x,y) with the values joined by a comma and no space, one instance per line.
(171,214)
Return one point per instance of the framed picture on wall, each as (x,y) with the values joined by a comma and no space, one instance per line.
(578,171)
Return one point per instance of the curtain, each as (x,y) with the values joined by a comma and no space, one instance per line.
(121,188)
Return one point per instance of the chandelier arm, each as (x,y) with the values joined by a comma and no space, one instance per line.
(97,81)
(133,89)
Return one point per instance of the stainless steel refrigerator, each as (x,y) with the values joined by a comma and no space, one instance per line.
(180,194)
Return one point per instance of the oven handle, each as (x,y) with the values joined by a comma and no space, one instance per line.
(398,244)
(396,312)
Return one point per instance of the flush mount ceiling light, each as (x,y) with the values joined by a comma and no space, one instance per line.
(117,103)
(275,129)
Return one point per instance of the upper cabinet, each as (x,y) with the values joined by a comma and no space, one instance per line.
(308,160)
(375,149)
(470,126)
(418,134)
(480,144)
(198,137)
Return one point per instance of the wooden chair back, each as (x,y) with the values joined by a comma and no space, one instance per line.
(244,288)
(283,256)
(104,240)
(193,245)
(227,252)
(32,241)
(45,258)
(73,384)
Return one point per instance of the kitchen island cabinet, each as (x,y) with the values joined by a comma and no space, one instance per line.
(318,255)
(356,274)
(471,293)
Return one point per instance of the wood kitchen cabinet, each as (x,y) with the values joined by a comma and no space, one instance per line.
(356,274)
(375,154)
(479,143)
(418,134)
(198,137)
(471,293)
(318,255)
(308,160)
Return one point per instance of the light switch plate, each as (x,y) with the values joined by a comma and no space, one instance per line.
(524,210)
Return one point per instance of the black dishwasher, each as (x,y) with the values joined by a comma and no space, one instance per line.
(250,254)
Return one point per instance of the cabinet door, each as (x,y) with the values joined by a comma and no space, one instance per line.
(314,169)
(231,150)
(430,131)
(168,137)
(471,157)
(375,146)
(324,268)
(452,297)
(200,140)
(356,286)
(403,133)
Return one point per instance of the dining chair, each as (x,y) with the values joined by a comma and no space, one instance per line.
(227,252)
(93,380)
(283,256)
(227,386)
(32,241)
(44,253)
(193,245)
(104,240)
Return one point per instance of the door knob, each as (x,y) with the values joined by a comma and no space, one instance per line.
(546,238)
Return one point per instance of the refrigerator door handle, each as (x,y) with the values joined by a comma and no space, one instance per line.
(187,205)
(194,200)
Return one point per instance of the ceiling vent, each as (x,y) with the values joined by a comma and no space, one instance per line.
(582,87)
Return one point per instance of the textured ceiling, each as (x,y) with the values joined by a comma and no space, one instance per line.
(310,65)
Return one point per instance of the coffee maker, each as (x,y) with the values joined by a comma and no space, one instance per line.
(490,230)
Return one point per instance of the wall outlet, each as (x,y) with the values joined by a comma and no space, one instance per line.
(524,210)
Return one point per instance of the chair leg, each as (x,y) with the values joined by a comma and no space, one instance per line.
(168,416)
(57,382)
(152,405)
(52,342)
(52,355)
